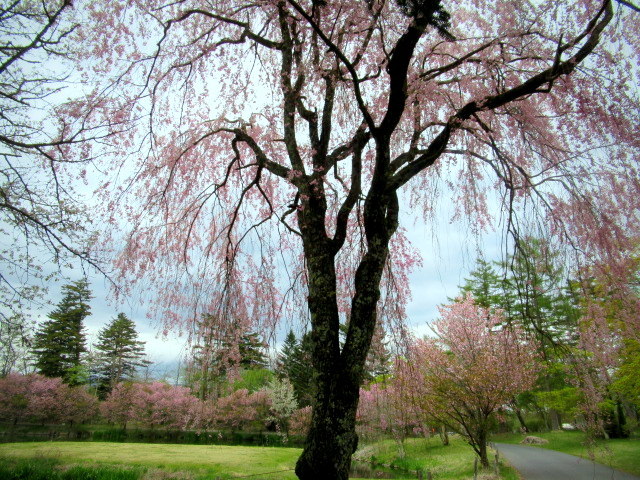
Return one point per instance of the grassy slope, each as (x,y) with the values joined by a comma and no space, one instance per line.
(453,462)
(202,460)
(623,454)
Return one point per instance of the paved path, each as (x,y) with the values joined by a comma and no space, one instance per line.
(542,464)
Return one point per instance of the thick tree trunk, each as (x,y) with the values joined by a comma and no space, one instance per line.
(332,440)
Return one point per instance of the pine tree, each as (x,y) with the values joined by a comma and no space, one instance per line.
(294,363)
(379,359)
(251,350)
(537,298)
(60,342)
(119,353)
(486,286)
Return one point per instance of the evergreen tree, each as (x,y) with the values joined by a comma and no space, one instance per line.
(285,357)
(60,342)
(119,353)
(251,350)
(379,358)
(486,285)
(294,363)
(537,296)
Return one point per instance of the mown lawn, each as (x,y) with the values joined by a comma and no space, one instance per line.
(452,462)
(623,453)
(185,461)
(195,462)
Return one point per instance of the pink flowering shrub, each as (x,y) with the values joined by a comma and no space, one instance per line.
(159,404)
(14,396)
(36,398)
(239,411)
(77,405)
(118,406)
(300,421)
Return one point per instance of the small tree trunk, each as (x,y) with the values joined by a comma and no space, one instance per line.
(482,448)
(523,425)
(630,411)
(444,436)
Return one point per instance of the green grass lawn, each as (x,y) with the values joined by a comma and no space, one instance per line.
(185,461)
(452,462)
(623,454)
(195,462)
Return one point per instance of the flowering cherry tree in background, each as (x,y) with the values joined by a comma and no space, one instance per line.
(39,399)
(158,404)
(475,366)
(117,407)
(284,136)
(390,408)
(237,411)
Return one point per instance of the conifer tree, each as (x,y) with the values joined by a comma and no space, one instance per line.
(486,286)
(251,350)
(119,353)
(60,342)
(294,363)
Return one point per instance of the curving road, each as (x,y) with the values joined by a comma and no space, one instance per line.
(541,464)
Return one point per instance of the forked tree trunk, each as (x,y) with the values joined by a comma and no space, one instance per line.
(332,439)
(338,373)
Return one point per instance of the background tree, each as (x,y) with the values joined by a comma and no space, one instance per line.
(15,344)
(119,353)
(36,398)
(251,350)
(283,403)
(390,408)
(531,289)
(475,366)
(43,223)
(118,406)
(294,363)
(60,342)
(218,355)
(627,380)
(284,136)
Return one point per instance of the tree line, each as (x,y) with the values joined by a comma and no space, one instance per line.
(58,346)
